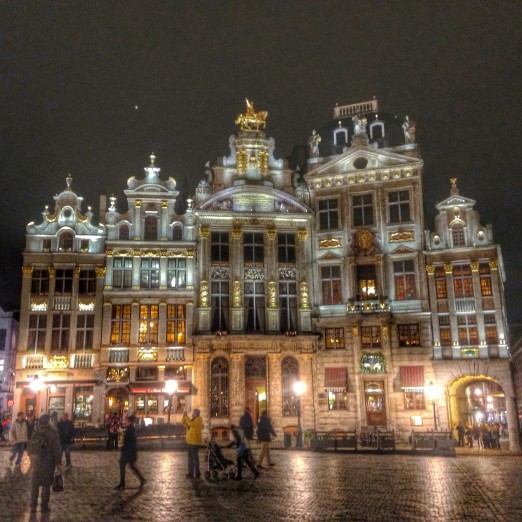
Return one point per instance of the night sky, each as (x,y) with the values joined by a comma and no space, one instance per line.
(92,88)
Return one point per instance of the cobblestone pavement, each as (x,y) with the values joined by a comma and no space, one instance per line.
(302,486)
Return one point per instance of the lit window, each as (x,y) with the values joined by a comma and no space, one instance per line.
(440,282)
(462,281)
(409,335)
(289,374)
(176,325)
(177,273)
(404,276)
(334,338)
(468,332)
(120,325)
(149,324)
(371,336)
(150,272)
(486,287)
(331,285)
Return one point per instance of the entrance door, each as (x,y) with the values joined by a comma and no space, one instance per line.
(255,385)
(375,403)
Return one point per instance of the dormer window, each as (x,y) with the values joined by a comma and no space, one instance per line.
(340,136)
(177,233)
(376,130)
(66,242)
(151,228)
(458,236)
(124,232)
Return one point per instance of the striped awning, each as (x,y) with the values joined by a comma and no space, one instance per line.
(412,378)
(335,379)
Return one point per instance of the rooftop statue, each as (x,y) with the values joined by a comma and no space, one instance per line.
(313,144)
(409,127)
(252,120)
(359,124)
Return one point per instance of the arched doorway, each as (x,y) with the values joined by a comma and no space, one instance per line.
(116,400)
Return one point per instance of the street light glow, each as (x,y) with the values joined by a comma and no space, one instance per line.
(299,388)
(171,386)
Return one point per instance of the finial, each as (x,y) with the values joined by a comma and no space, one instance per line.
(454,188)
(113,202)
(152,159)
(68,180)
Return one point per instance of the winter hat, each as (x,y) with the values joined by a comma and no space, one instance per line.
(44,419)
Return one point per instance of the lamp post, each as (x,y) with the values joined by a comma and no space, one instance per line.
(171,387)
(299,388)
(432,395)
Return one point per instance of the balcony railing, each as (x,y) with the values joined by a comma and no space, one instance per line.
(464,304)
(62,303)
(175,354)
(368,306)
(118,355)
(83,360)
(34,361)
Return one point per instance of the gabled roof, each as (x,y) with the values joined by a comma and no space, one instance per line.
(455,200)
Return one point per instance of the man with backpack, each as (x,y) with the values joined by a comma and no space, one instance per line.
(18,437)
(44,448)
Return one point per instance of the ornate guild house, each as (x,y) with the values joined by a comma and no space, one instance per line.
(314,293)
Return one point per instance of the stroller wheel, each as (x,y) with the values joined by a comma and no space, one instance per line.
(215,474)
(207,475)
(224,476)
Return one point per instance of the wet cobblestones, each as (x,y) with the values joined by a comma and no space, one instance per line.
(302,486)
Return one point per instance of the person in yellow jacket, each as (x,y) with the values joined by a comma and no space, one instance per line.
(194,426)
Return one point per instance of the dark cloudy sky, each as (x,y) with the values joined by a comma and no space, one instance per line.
(71,74)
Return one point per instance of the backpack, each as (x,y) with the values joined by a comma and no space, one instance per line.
(37,444)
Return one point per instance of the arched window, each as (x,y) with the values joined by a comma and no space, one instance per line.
(66,242)
(124,232)
(341,136)
(177,233)
(219,387)
(376,130)
(151,228)
(289,374)
(459,238)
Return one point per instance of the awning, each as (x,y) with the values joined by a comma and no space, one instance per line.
(335,379)
(158,387)
(412,378)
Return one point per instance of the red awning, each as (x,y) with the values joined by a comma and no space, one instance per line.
(157,387)
(335,379)
(412,378)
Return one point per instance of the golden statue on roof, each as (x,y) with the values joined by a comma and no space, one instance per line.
(251,120)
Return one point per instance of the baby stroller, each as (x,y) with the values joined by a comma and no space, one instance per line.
(217,463)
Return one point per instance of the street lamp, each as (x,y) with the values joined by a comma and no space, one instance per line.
(432,392)
(171,387)
(299,388)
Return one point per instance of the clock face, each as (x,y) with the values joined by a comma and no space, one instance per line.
(364,239)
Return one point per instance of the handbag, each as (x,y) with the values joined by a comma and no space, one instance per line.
(57,482)
(25,465)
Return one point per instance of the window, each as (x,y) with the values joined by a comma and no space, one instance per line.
(335,383)
(404,276)
(371,336)
(84,332)
(87,283)
(409,335)
(120,325)
(60,333)
(337,400)
(399,203)
(328,214)
(457,234)
(462,281)
(64,282)
(331,285)
(176,325)
(122,272)
(84,245)
(146,373)
(66,242)
(219,387)
(3,339)
(254,303)
(289,374)
(177,233)
(445,330)
(288,306)
(177,273)
(219,247)
(150,272)
(362,210)
(334,338)
(82,409)
(440,283)
(491,329)
(124,232)
(486,287)
(40,282)
(467,327)
(253,248)
(46,245)
(286,249)
(366,285)
(220,302)
(149,324)
(414,401)
(146,404)
(37,330)
(151,228)
(2,365)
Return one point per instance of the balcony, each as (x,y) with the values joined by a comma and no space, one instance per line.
(119,355)
(175,354)
(366,306)
(34,361)
(465,304)
(62,303)
(83,360)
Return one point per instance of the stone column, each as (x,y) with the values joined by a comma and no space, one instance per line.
(201,378)
(273,390)
(236,379)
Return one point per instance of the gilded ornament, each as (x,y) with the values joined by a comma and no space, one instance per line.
(251,120)
(164,203)
(204,232)
(430,269)
(203,294)
(329,242)
(304,296)
(137,203)
(448,268)
(302,235)
(474,266)
(242,158)
(236,233)
(272,294)
(100,271)
(271,233)
(236,294)
(493,264)
(364,239)
(27,271)
(52,271)
(393,237)
(76,272)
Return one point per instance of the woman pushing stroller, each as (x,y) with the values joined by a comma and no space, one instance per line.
(243,452)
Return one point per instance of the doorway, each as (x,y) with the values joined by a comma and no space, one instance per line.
(255,386)
(375,403)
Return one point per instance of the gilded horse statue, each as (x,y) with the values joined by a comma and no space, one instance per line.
(252,120)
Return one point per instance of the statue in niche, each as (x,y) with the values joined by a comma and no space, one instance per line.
(409,127)
(359,124)
(209,172)
(313,144)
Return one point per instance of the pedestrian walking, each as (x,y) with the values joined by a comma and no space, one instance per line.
(113,431)
(45,463)
(243,452)
(31,424)
(66,432)
(265,432)
(129,453)
(193,438)
(246,423)
(54,419)
(18,437)
(461,431)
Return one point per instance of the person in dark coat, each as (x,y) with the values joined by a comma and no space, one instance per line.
(44,464)
(129,453)
(265,432)
(247,424)
(243,452)
(66,431)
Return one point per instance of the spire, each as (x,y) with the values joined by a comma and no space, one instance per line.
(68,180)
(152,172)
(454,190)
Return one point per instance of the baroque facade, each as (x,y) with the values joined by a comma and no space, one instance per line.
(322,274)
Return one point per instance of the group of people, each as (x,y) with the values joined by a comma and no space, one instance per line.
(486,436)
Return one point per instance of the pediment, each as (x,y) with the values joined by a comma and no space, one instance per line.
(329,256)
(403,250)
(456,201)
(357,159)
(253,199)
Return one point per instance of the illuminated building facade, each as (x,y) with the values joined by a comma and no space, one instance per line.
(8,340)
(271,277)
